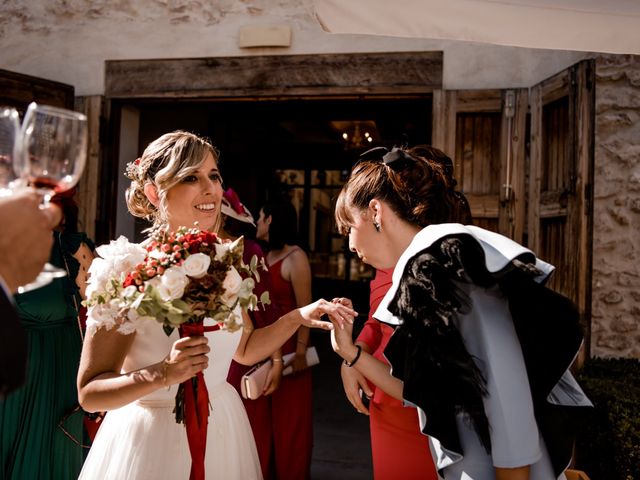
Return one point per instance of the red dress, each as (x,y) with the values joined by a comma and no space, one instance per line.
(259,410)
(398,448)
(291,403)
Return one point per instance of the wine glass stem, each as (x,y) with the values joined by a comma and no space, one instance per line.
(46,199)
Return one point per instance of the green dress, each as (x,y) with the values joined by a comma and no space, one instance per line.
(32,444)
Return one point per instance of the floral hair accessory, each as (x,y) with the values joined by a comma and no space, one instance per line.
(136,170)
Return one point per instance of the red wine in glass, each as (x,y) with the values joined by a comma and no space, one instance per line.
(50,186)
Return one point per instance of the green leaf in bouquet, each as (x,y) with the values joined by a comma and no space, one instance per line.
(137,302)
(246,287)
(253,267)
(264,298)
(180,305)
(253,299)
(244,303)
(221,315)
(113,286)
(175,318)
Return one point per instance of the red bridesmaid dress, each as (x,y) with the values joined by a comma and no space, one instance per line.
(398,447)
(258,410)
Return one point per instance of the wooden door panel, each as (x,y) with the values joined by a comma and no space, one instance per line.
(477,164)
(557,168)
(561,179)
(485,139)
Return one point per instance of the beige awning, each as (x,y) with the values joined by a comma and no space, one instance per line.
(611,26)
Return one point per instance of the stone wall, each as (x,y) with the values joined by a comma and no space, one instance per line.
(616,235)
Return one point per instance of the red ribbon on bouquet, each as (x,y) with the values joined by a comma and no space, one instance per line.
(196,406)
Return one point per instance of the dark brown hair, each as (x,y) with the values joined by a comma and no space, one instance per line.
(415,185)
(283,229)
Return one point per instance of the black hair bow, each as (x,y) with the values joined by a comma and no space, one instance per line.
(390,158)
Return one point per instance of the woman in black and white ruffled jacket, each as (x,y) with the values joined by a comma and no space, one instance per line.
(481,347)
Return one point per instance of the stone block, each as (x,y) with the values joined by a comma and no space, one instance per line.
(611,297)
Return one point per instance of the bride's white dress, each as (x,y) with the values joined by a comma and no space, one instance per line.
(142,439)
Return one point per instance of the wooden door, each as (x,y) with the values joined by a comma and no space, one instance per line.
(561,180)
(483,131)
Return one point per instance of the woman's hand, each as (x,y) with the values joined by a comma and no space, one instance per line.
(340,315)
(353,383)
(299,362)
(273,378)
(187,357)
(342,338)
(343,301)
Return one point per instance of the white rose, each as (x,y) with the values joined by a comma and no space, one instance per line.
(196,265)
(121,254)
(118,258)
(100,272)
(172,283)
(232,283)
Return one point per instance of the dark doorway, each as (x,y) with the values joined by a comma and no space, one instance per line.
(305,147)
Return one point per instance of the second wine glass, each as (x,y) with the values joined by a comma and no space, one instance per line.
(10,155)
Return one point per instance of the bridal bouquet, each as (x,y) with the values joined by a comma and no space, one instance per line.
(184,277)
(178,279)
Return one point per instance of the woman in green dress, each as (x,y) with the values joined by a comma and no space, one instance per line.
(40,430)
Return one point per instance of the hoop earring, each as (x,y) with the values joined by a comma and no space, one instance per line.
(376,225)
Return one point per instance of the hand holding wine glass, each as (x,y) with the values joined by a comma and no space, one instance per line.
(54,151)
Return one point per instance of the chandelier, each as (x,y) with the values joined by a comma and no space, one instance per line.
(356,134)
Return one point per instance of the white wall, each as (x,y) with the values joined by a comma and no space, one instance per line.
(69,41)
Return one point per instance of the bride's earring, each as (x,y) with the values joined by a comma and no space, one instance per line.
(376,225)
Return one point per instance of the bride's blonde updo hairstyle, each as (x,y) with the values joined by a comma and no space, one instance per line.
(165,162)
(412,181)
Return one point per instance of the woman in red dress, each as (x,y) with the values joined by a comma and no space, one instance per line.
(238,221)
(398,447)
(291,403)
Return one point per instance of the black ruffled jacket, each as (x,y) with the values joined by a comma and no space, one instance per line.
(427,353)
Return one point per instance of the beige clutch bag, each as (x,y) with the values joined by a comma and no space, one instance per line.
(253,382)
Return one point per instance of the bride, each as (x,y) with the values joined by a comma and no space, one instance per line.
(133,373)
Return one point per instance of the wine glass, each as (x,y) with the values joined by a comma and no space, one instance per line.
(10,157)
(54,143)
(54,151)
